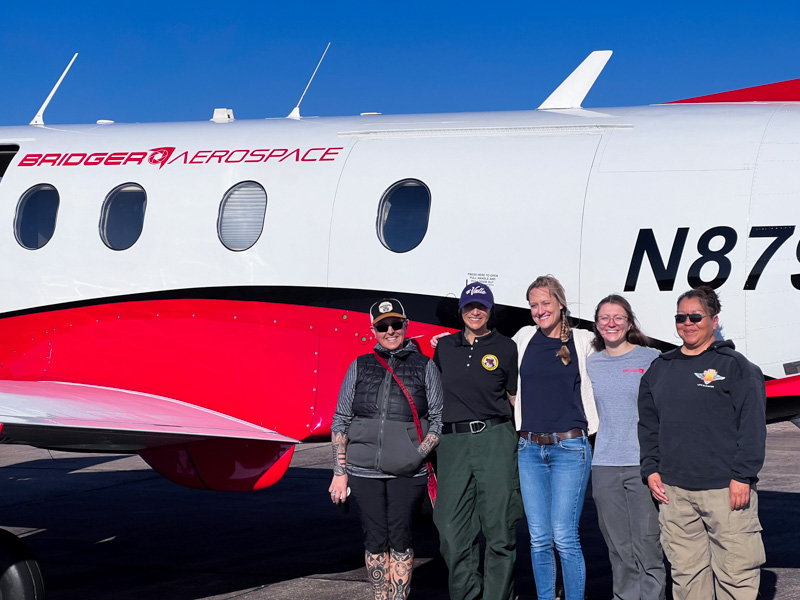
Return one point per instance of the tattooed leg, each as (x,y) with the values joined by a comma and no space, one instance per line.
(378,573)
(401,564)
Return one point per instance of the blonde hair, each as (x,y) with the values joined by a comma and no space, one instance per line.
(553,285)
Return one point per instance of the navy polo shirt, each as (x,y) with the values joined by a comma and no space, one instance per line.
(475,377)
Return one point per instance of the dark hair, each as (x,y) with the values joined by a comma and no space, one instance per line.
(634,335)
(707,296)
(553,285)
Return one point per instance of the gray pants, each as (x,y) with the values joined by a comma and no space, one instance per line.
(628,520)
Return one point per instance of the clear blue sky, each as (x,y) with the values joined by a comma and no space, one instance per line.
(176,61)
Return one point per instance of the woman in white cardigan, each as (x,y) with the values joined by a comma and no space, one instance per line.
(554,413)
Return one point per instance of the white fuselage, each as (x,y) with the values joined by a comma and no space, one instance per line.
(513,196)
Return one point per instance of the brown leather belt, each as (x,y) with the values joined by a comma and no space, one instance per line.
(543,439)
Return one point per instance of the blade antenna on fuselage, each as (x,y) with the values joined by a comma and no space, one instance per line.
(573,90)
(39,118)
(295,114)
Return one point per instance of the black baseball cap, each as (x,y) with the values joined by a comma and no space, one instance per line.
(387,307)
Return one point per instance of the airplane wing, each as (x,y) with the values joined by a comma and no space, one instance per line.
(68,416)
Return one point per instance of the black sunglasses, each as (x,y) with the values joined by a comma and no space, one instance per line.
(693,317)
(383,326)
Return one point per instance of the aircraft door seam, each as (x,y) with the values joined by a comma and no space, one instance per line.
(351,144)
(747,300)
(597,151)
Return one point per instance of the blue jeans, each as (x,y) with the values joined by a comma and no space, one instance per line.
(553,480)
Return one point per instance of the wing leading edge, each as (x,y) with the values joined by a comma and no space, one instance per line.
(79,417)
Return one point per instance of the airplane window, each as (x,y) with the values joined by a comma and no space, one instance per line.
(241,215)
(122,216)
(35,220)
(403,215)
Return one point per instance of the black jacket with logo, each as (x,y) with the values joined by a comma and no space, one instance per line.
(702,418)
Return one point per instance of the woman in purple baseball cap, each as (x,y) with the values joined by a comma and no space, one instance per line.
(477,453)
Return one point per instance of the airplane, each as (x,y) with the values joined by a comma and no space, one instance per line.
(194,292)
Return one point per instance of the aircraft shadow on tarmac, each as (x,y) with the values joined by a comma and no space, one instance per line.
(123,534)
(134,532)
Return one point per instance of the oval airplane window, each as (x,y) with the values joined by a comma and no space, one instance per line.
(35,220)
(403,215)
(122,216)
(241,216)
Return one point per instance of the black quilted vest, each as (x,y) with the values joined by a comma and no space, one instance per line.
(377,394)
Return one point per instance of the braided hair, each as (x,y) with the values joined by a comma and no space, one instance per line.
(553,285)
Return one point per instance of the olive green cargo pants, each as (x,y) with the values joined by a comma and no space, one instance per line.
(478,490)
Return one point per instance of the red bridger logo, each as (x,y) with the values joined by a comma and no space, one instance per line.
(160,156)
(165,155)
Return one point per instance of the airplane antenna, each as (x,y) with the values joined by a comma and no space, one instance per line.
(295,114)
(39,118)
(573,90)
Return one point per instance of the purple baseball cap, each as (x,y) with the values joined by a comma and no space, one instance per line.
(477,292)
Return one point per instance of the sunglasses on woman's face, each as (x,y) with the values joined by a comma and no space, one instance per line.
(693,317)
(383,326)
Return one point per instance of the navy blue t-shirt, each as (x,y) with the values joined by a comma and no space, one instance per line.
(551,391)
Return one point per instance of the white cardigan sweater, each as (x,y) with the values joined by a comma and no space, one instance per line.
(583,346)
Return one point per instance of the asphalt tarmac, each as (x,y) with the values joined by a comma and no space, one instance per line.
(107,527)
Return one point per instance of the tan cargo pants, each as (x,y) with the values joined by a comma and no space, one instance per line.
(712,549)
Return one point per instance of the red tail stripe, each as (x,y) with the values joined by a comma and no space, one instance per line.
(783,91)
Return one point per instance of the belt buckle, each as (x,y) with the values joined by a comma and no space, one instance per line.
(472,425)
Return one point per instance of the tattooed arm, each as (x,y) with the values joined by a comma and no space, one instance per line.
(341,423)
(433,390)
(428,444)
(338,487)
(339,445)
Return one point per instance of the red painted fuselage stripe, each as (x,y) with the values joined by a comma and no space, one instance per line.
(276,365)
(788,386)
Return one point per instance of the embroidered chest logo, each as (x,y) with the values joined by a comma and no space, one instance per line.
(490,362)
(709,376)
(640,371)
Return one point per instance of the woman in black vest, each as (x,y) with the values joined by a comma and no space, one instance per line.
(376,448)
